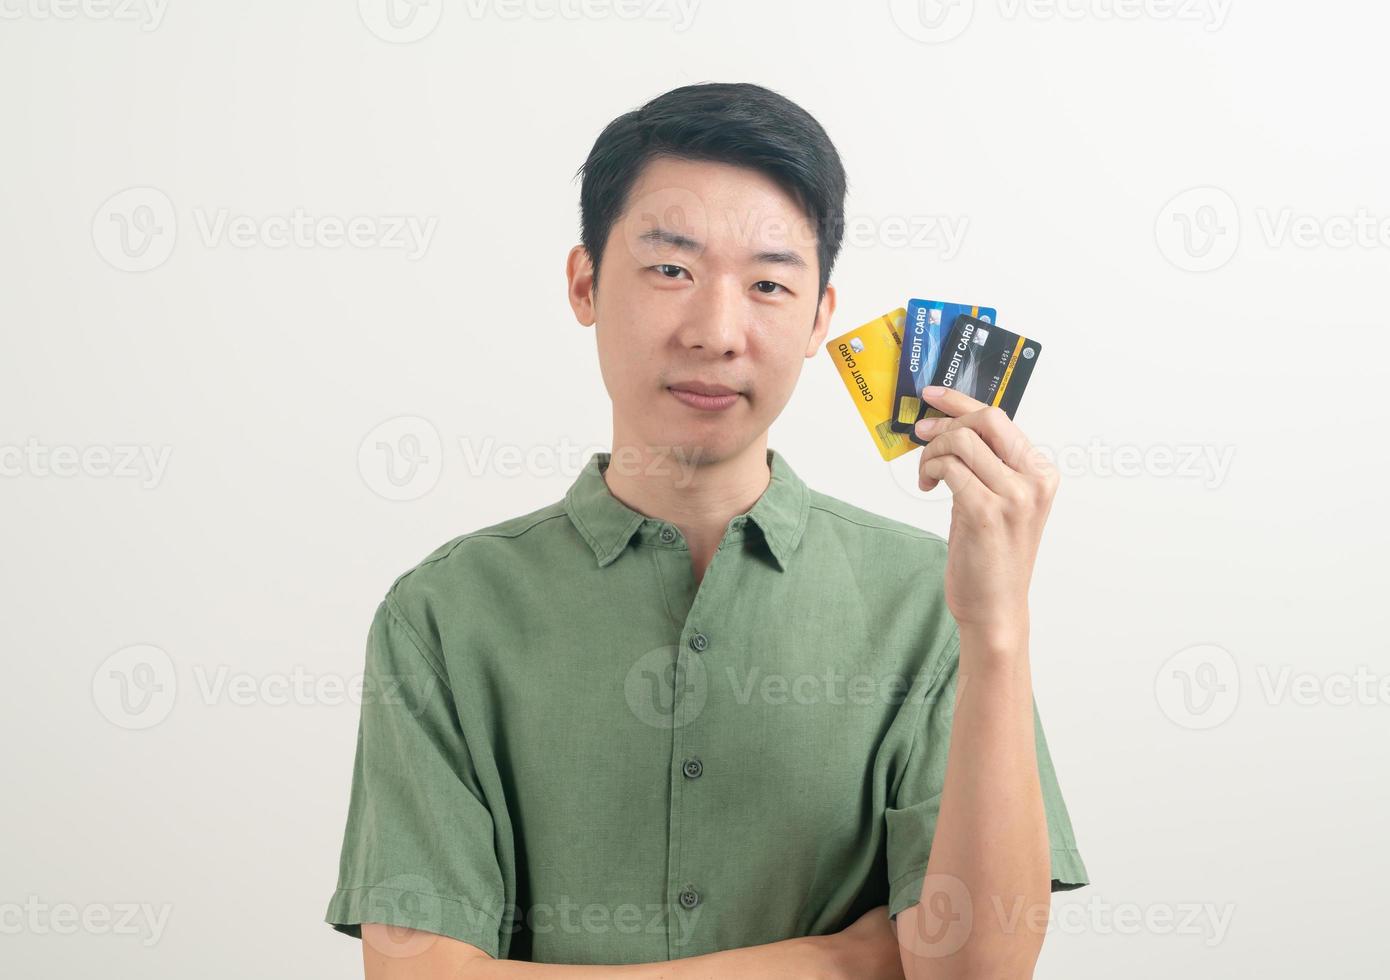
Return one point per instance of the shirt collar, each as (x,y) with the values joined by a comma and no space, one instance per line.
(607,524)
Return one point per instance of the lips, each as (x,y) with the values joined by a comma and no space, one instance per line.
(701,388)
(702,395)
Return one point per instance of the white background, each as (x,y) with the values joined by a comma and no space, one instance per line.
(1209,606)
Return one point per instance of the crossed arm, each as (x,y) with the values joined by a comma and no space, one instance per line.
(867,950)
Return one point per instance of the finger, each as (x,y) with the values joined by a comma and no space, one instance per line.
(967,445)
(994,426)
(953,472)
(950,401)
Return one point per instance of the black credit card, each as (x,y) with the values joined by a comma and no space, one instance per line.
(985,361)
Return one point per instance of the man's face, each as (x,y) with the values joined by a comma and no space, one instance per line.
(709,281)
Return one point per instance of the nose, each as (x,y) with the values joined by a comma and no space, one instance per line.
(714,319)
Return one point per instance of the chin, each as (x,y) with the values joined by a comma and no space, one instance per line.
(705,448)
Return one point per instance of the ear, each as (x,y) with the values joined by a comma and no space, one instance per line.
(579,270)
(824,312)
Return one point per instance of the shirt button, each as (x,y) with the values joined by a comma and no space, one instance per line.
(693,768)
(668,534)
(690,898)
(699,642)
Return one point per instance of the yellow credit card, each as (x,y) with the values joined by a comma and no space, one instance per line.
(867,359)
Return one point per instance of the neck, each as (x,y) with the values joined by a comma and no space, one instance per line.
(698,496)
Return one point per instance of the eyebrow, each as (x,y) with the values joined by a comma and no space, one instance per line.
(684,243)
(660,236)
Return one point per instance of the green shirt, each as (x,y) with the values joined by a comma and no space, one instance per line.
(569,753)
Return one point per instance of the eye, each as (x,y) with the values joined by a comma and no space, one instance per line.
(668,271)
(769,292)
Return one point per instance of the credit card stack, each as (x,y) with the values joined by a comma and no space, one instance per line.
(887,362)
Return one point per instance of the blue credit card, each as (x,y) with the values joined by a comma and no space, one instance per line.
(928,322)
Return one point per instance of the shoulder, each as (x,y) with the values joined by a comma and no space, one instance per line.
(474,554)
(878,531)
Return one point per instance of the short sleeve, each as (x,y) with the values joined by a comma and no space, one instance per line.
(911,814)
(419,847)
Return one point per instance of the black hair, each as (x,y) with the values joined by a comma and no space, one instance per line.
(736,123)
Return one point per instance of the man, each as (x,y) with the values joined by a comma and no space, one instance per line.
(697,719)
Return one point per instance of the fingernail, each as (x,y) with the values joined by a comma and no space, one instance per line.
(926,425)
(931,391)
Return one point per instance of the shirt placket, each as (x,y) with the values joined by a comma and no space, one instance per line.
(697,646)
